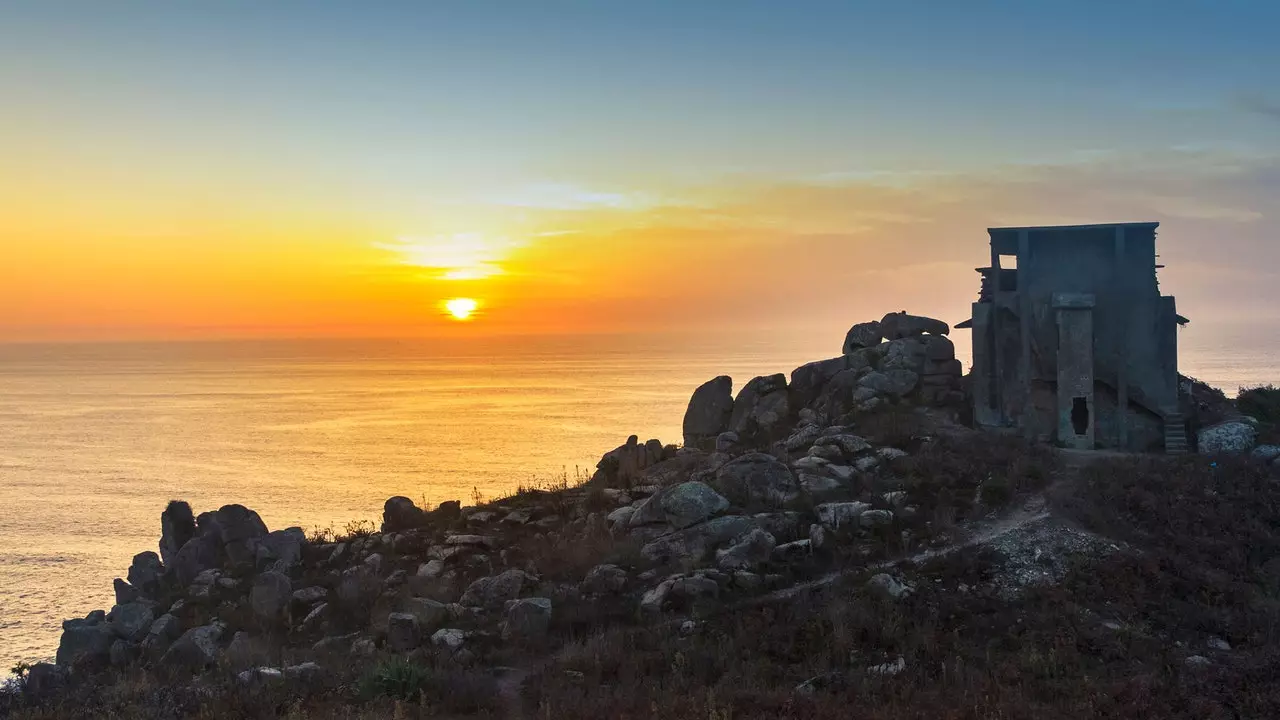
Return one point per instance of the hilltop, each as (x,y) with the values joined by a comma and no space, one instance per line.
(837,543)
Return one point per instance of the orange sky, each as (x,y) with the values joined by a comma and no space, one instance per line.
(257,170)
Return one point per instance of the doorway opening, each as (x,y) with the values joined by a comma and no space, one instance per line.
(1080,415)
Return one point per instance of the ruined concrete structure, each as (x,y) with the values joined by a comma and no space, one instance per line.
(1073,342)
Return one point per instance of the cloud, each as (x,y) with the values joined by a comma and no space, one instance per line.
(1259,105)
(461,256)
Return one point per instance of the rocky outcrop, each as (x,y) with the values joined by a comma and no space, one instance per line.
(627,464)
(400,513)
(756,479)
(708,413)
(679,506)
(177,526)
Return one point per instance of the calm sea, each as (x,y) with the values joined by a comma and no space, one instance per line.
(95,439)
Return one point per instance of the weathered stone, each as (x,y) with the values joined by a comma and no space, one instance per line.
(44,680)
(680,506)
(1229,438)
(1266,453)
(849,445)
(196,649)
(811,380)
(708,413)
(131,621)
(245,651)
(402,632)
(205,584)
(901,325)
(802,437)
(125,593)
(85,644)
(494,591)
(478,541)
(755,479)
(400,513)
(747,551)
(875,518)
(604,580)
(761,406)
(358,587)
(449,638)
(862,335)
(122,653)
(146,573)
(793,550)
(528,618)
(815,484)
(167,627)
(896,382)
(833,516)
(694,588)
(280,550)
(884,586)
(270,594)
(429,613)
(197,555)
(697,541)
(177,526)
(310,595)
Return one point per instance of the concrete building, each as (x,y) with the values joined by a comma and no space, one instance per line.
(1073,342)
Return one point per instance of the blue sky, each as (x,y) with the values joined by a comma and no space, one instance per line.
(395,118)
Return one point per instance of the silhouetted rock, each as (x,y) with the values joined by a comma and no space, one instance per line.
(177,526)
(761,407)
(862,335)
(756,479)
(901,325)
(400,513)
(708,413)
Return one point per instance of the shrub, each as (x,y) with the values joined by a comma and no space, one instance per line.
(1261,403)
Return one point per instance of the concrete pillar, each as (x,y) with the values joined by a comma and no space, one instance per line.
(1076,409)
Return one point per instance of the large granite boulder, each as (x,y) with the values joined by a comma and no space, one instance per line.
(281,550)
(146,573)
(680,506)
(527,619)
(708,413)
(85,643)
(196,649)
(747,552)
(1232,437)
(132,621)
(494,591)
(239,529)
(200,553)
(400,513)
(761,408)
(862,335)
(698,541)
(895,382)
(901,325)
(177,526)
(270,595)
(756,479)
(809,381)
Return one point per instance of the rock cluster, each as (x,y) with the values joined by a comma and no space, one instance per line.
(900,358)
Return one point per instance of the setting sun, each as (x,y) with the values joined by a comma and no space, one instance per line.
(461,308)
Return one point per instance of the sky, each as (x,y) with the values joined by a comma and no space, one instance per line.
(178,170)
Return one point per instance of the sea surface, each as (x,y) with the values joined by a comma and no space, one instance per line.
(96,438)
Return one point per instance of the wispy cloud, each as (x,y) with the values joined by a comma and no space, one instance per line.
(1259,105)
(567,196)
(461,256)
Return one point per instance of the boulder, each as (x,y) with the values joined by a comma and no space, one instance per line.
(358,587)
(402,632)
(901,325)
(239,529)
(884,586)
(875,518)
(449,638)
(528,619)
(1266,453)
(145,573)
(698,541)
(708,413)
(833,516)
(196,649)
(802,437)
(756,479)
(761,407)
(122,653)
(604,580)
(809,381)
(270,595)
(894,382)
(177,526)
(125,593)
(281,550)
(132,621)
(44,680)
(429,613)
(747,552)
(680,506)
(310,595)
(1232,437)
(862,335)
(245,651)
(400,513)
(494,591)
(838,395)
(199,554)
(85,644)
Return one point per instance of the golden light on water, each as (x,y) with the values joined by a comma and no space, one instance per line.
(461,308)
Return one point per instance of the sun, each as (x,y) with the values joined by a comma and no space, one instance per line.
(461,308)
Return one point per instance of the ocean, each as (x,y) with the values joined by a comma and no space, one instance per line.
(96,438)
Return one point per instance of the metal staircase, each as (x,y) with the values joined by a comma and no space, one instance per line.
(1175,434)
